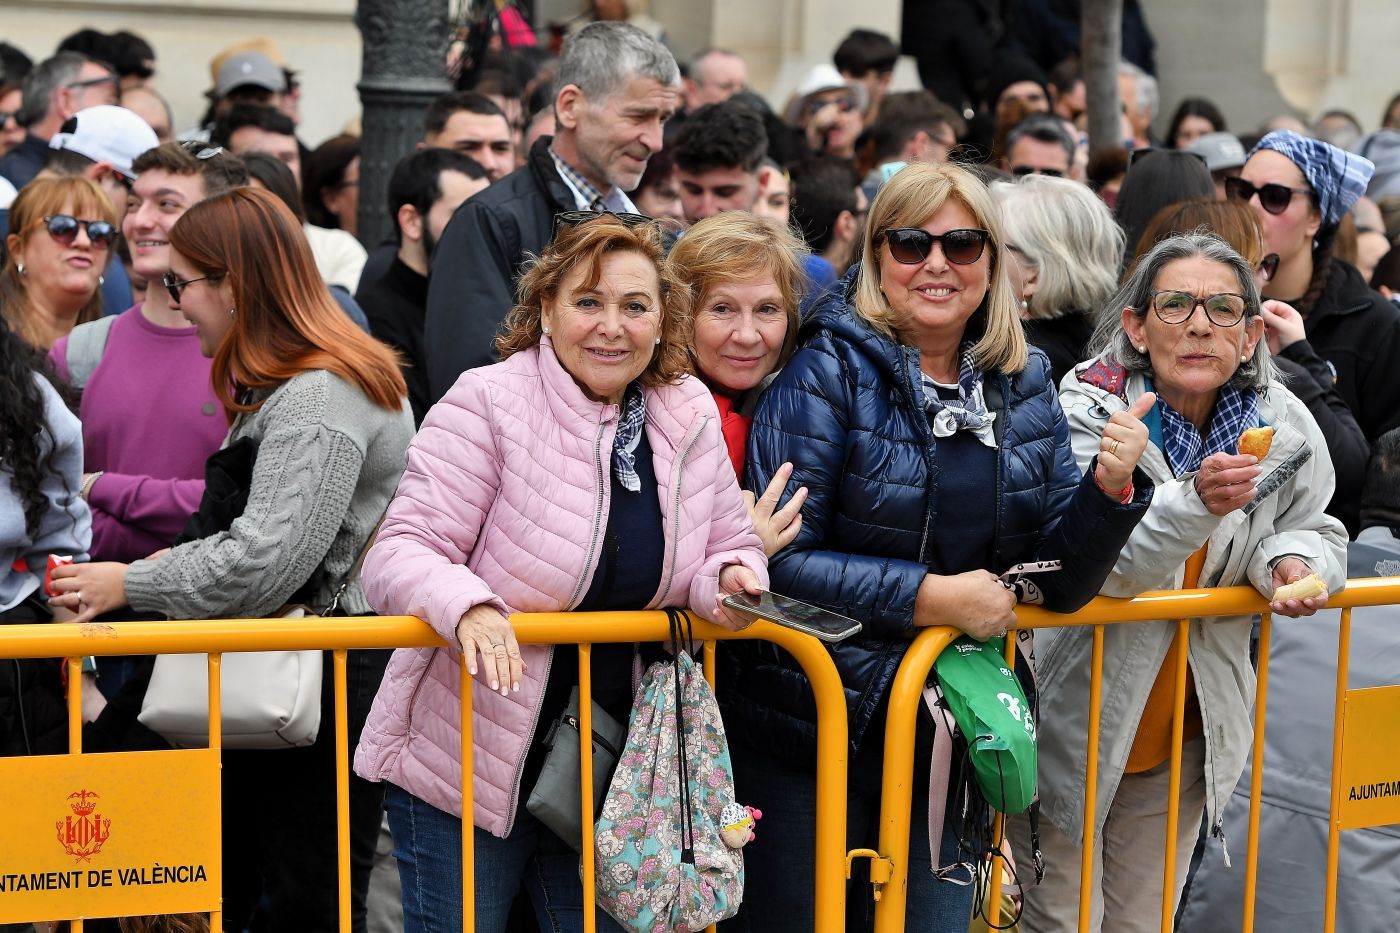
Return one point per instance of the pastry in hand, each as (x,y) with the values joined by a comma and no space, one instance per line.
(1256,441)
(1306,588)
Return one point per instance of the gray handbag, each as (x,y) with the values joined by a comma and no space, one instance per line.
(557,800)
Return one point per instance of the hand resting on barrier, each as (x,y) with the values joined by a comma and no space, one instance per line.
(977,602)
(483,630)
(1291,570)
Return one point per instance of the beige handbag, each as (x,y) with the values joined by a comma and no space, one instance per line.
(269,699)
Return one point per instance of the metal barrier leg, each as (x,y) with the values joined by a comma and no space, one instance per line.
(1329,914)
(216,741)
(75,728)
(342,789)
(585,745)
(1091,783)
(1183,635)
(1256,776)
(465,682)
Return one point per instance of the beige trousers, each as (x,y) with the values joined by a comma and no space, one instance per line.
(1129,858)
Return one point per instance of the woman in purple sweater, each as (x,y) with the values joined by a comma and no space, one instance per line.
(150,417)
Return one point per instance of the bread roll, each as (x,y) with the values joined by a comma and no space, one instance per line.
(1257,441)
(1309,586)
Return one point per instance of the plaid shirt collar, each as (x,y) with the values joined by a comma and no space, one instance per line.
(592,199)
(1235,411)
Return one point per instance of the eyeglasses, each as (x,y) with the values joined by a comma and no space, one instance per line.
(574,218)
(64,229)
(1267,267)
(910,245)
(1022,170)
(175,286)
(7,115)
(200,150)
(1272,198)
(1224,310)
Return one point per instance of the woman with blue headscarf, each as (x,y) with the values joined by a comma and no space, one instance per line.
(1345,332)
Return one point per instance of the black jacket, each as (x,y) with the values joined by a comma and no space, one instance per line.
(471,285)
(1357,332)
(1065,339)
(848,412)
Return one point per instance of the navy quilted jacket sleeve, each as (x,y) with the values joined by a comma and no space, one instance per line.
(804,418)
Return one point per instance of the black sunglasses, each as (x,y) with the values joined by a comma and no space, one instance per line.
(1272,198)
(910,245)
(1022,170)
(64,229)
(574,218)
(1267,267)
(176,286)
(92,82)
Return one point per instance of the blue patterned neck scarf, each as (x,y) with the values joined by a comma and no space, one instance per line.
(630,422)
(968,412)
(1236,410)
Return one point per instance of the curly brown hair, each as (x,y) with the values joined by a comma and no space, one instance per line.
(583,246)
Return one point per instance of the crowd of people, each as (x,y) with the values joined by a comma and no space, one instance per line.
(641,340)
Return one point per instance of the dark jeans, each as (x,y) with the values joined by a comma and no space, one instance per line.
(778,864)
(280,820)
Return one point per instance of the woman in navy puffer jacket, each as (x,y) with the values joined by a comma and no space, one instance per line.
(936,456)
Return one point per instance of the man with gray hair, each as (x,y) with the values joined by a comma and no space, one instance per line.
(1039,145)
(55,90)
(617,87)
(715,76)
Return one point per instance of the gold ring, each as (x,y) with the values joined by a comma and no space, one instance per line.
(1114,441)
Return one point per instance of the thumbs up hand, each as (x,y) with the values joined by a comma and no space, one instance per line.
(1124,439)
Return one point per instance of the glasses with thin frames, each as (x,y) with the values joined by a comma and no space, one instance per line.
(1272,198)
(176,285)
(911,245)
(1225,309)
(64,229)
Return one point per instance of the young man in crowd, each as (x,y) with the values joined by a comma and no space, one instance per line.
(829,208)
(868,57)
(1039,145)
(424,191)
(472,124)
(718,153)
(617,87)
(54,91)
(257,128)
(914,126)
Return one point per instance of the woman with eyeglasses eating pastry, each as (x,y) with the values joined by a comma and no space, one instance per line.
(62,232)
(1300,189)
(1308,375)
(935,455)
(1186,326)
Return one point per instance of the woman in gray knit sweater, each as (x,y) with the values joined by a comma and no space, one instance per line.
(322,409)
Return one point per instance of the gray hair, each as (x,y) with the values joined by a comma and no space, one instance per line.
(47,77)
(602,56)
(1069,235)
(1045,128)
(1144,86)
(697,64)
(1111,339)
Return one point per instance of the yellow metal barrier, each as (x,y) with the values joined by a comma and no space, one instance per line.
(339,635)
(1182,605)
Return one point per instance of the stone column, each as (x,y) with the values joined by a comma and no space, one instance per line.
(403,69)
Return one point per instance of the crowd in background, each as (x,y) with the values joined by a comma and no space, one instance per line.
(870,346)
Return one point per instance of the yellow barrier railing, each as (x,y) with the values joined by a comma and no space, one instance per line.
(338,635)
(1182,605)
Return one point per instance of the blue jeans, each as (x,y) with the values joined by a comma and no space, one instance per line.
(428,846)
(778,864)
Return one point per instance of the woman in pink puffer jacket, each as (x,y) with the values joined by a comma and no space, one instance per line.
(584,472)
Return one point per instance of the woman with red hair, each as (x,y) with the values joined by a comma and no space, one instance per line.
(319,425)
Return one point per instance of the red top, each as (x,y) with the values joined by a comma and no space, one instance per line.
(735,428)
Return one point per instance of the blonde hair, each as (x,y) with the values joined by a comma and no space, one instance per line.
(733,246)
(584,245)
(909,199)
(37,200)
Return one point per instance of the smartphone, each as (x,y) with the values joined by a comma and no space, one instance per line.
(795,614)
